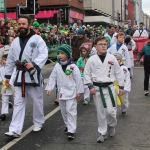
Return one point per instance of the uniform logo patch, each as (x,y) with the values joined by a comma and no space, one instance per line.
(33,44)
(123,49)
(60,95)
(110,62)
(125,70)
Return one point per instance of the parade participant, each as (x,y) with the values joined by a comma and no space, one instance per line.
(131,45)
(111,34)
(141,31)
(127,84)
(80,40)
(101,70)
(7,91)
(29,53)
(121,48)
(146,53)
(70,87)
(85,50)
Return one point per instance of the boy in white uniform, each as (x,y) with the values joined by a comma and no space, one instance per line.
(7,91)
(121,48)
(127,85)
(131,45)
(70,86)
(101,70)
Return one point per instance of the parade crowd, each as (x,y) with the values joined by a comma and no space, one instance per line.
(90,61)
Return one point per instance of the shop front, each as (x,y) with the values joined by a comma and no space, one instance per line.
(76,18)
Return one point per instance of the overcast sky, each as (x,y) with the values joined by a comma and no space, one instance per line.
(146,6)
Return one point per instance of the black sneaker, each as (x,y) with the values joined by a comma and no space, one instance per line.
(3,117)
(66,130)
(70,135)
(124,113)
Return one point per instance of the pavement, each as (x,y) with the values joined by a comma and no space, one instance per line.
(132,131)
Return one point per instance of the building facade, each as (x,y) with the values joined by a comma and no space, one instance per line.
(50,11)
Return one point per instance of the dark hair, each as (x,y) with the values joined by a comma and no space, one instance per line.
(5,56)
(100,38)
(6,23)
(26,17)
(110,26)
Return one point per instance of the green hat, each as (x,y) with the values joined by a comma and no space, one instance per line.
(66,49)
(36,24)
(100,26)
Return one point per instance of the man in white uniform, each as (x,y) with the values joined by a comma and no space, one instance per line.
(111,34)
(141,31)
(29,53)
(101,70)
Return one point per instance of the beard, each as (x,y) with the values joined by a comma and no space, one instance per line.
(23,31)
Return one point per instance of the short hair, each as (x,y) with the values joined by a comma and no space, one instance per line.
(100,38)
(110,26)
(120,34)
(6,23)
(26,17)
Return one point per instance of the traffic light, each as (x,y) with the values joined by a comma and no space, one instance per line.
(31,8)
(119,19)
(62,16)
(37,6)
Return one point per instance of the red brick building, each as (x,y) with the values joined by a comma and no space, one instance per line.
(73,10)
(131,11)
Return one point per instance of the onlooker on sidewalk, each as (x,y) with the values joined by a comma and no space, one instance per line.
(146,53)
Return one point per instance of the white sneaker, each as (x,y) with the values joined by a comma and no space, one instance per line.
(37,129)
(111,131)
(146,93)
(12,134)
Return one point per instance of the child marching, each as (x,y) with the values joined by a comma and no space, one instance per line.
(101,70)
(85,50)
(70,87)
(7,91)
(127,85)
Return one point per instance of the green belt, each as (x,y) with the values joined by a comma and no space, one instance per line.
(100,85)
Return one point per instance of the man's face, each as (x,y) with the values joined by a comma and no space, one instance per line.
(80,36)
(23,26)
(111,30)
(141,25)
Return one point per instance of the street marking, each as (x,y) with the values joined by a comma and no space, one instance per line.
(14,141)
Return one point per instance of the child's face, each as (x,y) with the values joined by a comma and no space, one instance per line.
(84,52)
(101,47)
(62,56)
(119,61)
(4,61)
(120,39)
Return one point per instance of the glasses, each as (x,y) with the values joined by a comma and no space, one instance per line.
(101,44)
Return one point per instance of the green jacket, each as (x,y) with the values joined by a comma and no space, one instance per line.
(81,64)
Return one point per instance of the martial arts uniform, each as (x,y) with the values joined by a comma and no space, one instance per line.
(69,84)
(131,47)
(102,75)
(127,88)
(123,50)
(36,52)
(7,92)
(113,38)
(140,33)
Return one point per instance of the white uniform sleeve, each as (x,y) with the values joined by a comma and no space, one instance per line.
(133,45)
(78,80)
(43,53)
(10,64)
(52,80)
(127,86)
(127,58)
(87,73)
(118,73)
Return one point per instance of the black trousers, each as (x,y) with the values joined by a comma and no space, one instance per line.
(146,78)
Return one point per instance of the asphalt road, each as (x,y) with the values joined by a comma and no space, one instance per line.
(132,131)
